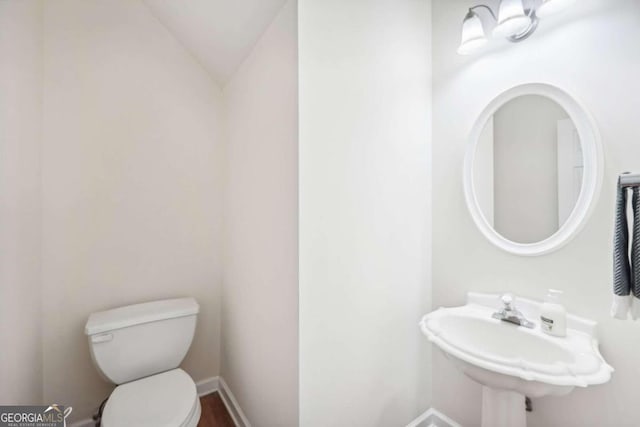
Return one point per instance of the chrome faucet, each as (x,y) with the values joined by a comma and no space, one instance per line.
(510,314)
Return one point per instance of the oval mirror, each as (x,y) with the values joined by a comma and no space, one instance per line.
(532,170)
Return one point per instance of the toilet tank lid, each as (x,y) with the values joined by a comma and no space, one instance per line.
(123,317)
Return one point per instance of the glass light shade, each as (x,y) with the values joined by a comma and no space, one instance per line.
(511,19)
(549,7)
(473,35)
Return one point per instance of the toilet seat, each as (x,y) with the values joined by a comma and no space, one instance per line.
(168,399)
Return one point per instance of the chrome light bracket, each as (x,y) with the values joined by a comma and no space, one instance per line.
(526,33)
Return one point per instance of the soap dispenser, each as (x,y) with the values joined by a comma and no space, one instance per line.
(553,316)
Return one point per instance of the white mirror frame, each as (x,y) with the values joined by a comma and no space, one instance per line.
(592,178)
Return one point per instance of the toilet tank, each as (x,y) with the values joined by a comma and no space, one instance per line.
(132,342)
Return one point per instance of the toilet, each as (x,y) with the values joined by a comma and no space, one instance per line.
(139,348)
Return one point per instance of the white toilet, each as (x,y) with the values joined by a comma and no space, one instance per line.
(139,348)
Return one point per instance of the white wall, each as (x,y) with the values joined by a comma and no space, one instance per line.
(260,286)
(364,211)
(131,185)
(220,33)
(592,51)
(20,187)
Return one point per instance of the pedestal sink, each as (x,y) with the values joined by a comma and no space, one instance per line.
(512,361)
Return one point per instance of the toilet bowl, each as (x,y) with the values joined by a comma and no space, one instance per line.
(167,399)
(139,348)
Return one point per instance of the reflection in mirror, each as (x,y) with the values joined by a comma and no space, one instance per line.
(528,169)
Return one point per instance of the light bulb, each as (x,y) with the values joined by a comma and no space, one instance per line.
(473,35)
(511,19)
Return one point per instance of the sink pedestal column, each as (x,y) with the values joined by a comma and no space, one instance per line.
(503,408)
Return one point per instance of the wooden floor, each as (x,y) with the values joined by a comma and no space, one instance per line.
(214,413)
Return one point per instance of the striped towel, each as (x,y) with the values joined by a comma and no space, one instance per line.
(626,261)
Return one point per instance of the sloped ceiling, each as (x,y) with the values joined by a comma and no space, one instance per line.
(219,33)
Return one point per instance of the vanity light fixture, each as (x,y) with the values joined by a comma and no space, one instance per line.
(514,21)
(473,34)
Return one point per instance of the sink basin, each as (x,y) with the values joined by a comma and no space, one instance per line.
(512,361)
(487,336)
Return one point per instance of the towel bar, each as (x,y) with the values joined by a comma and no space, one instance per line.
(628,179)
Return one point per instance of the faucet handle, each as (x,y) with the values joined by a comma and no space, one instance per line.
(507,300)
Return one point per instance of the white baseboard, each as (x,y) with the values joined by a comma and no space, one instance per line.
(430,418)
(229,400)
(203,387)
(433,418)
(207,386)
